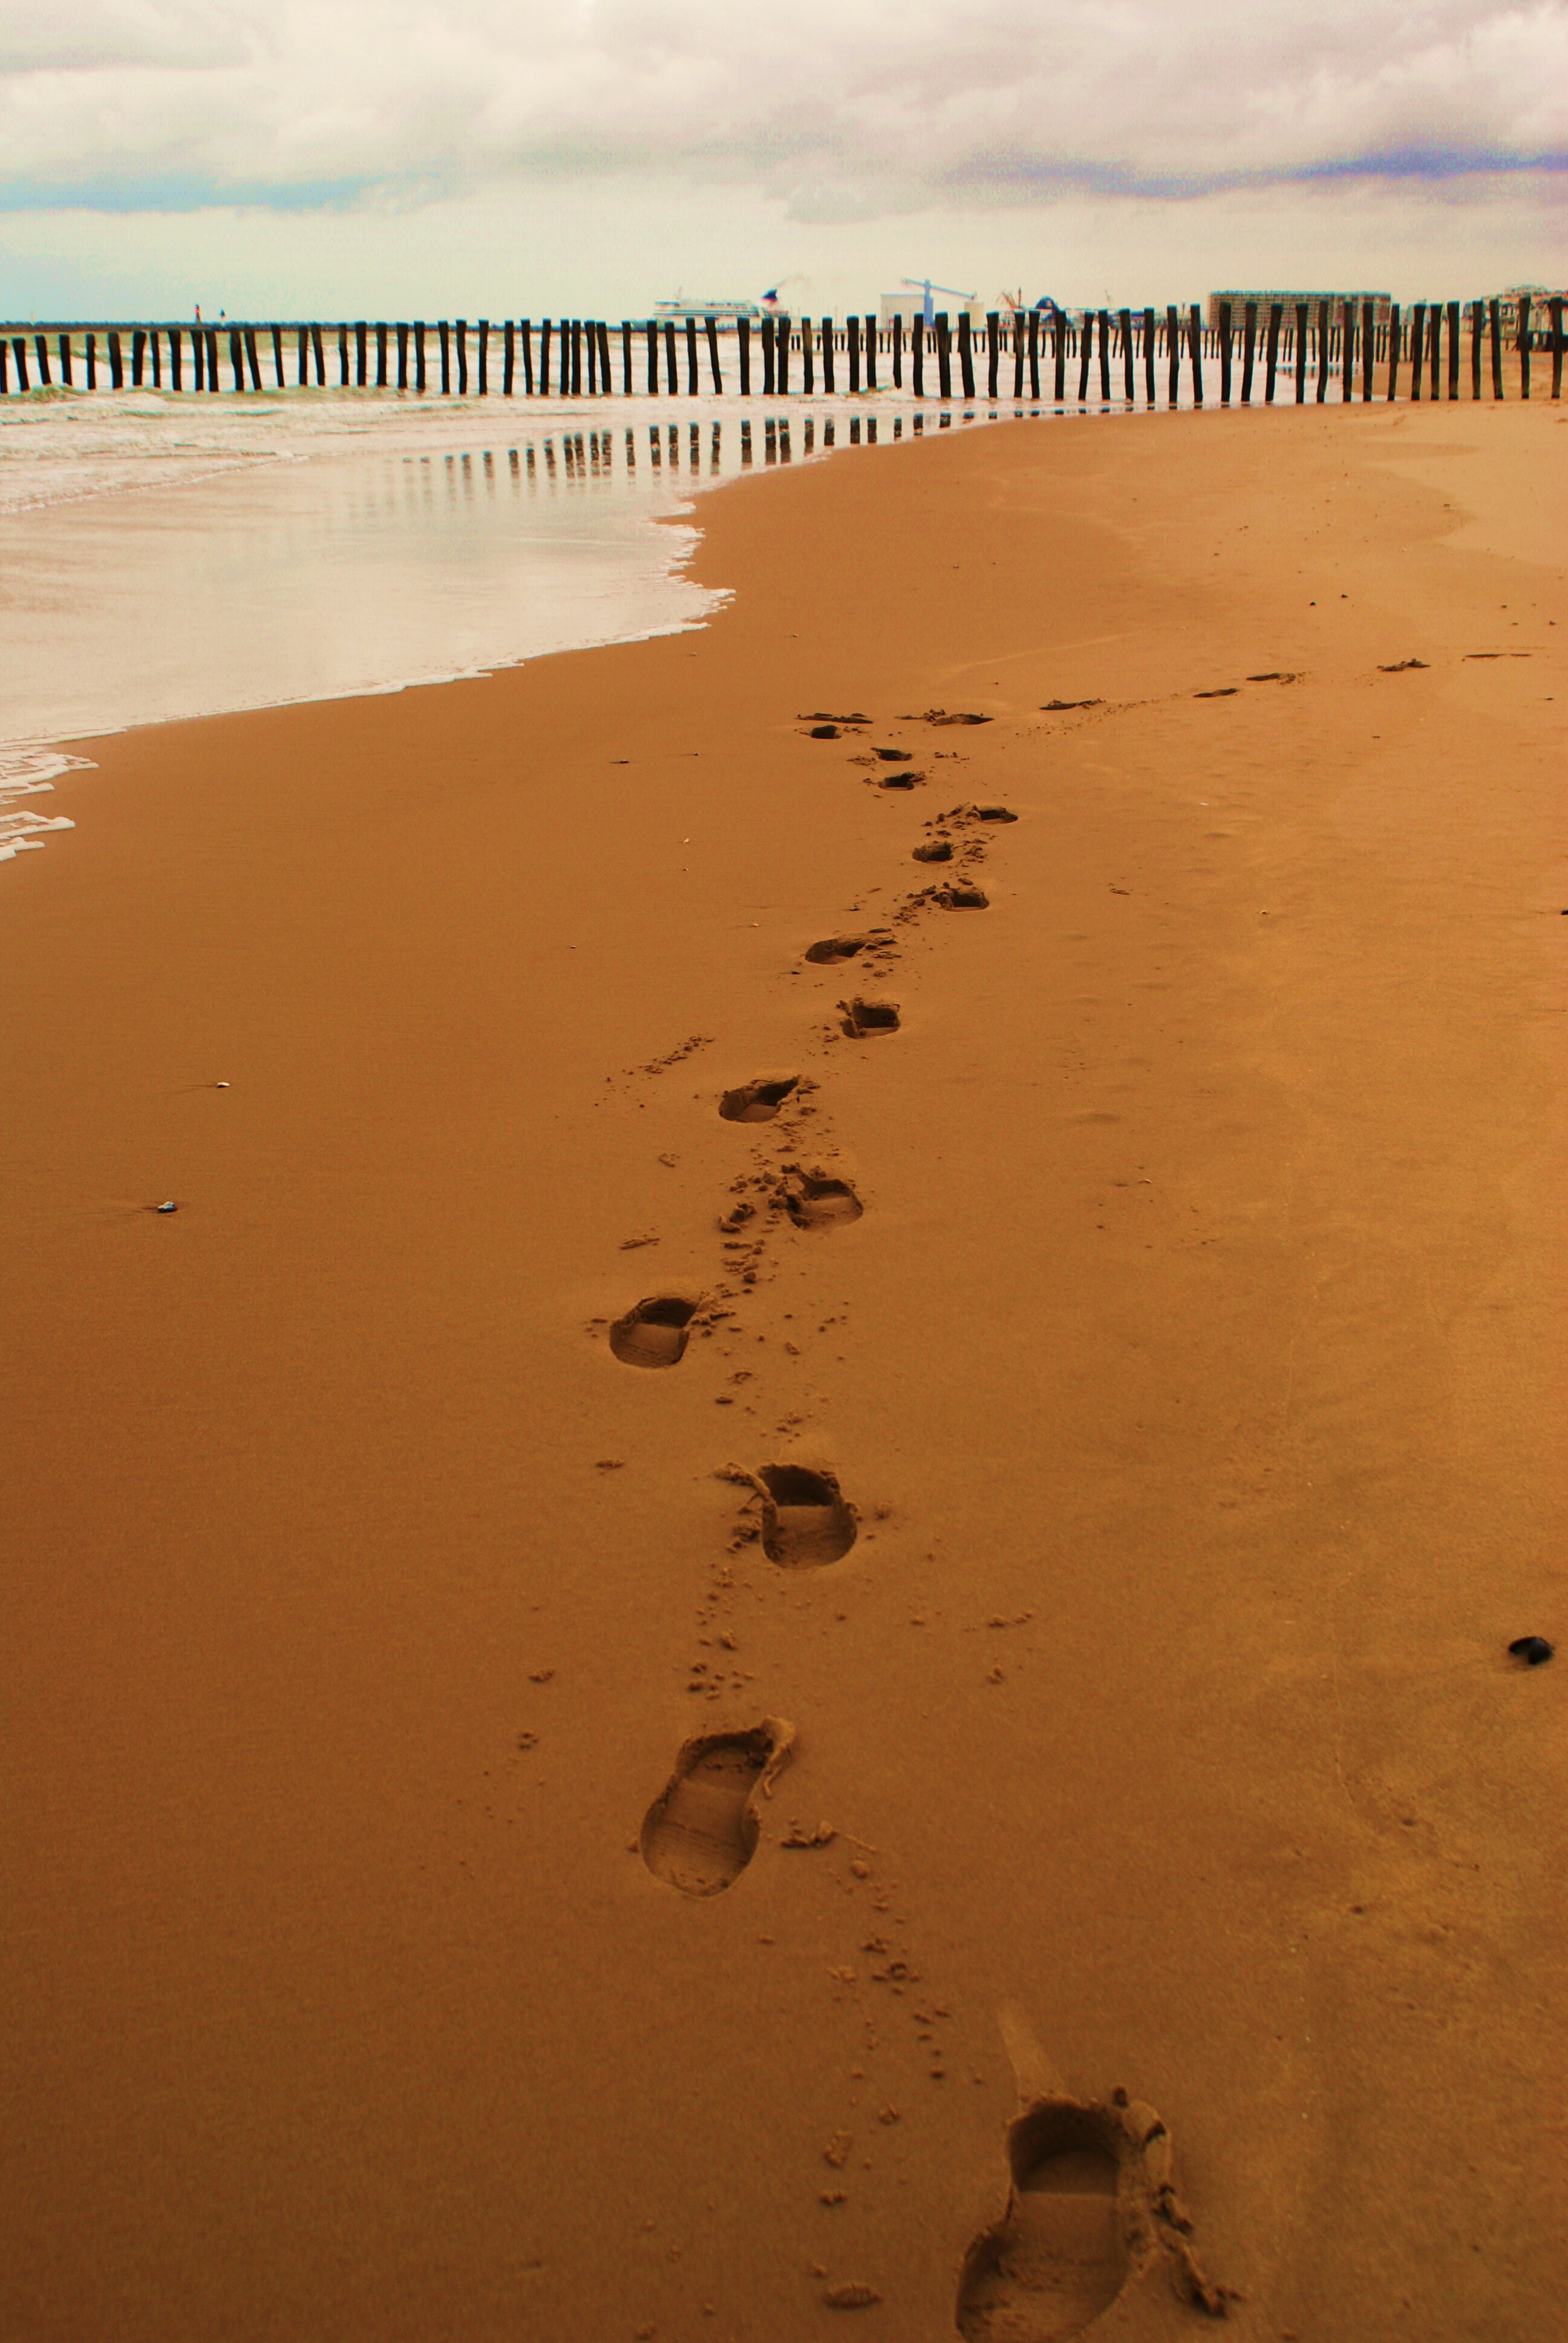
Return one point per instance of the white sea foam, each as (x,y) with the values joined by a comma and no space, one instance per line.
(164,558)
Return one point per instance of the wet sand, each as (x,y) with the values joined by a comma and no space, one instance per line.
(1192,1377)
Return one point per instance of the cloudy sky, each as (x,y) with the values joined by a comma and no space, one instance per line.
(426,156)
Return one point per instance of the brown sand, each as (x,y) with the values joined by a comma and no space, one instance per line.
(1192,1372)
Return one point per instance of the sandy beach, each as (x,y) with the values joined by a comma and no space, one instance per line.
(1136,1718)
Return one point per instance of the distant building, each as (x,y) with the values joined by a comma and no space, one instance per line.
(1540,298)
(1290,301)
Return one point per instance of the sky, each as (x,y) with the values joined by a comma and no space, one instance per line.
(435,157)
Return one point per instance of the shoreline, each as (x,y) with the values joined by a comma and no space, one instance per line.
(1199,1329)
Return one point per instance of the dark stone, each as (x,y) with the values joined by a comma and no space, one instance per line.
(1534,1650)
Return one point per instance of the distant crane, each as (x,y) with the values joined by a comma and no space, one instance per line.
(923,286)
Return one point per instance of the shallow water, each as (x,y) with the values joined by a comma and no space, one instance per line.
(167,557)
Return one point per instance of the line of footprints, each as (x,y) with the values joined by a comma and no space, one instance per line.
(1092,2204)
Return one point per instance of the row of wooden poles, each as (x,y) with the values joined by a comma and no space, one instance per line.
(1344,339)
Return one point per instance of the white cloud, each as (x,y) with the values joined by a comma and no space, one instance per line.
(840,108)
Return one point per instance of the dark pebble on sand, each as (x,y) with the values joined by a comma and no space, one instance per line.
(1534,1650)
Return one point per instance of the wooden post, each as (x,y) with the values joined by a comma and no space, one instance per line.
(342,357)
(526,336)
(1249,350)
(175,358)
(1224,354)
(1085,356)
(1394,351)
(157,354)
(66,376)
(360,376)
(485,359)
(1149,356)
(1477,334)
(116,369)
(1554,307)
(896,344)
(807,368)
(251,359)
(712,325)
(767,332)
(743,335)
(917,354)
(652,334)
(672,372)
(301,356)
(870,357)
(1417,348)
(1369,348)
(944,355)
(1347,351)
(1322,386)
(1173,358)
(602,330)
(381,356)
(1195,345)
(508,357)
(1058,346)
(992,350)
(592,362)
(235,358)
(461,337)
(1105,357)
(781,355)
(418,354)
(198,359)
(277,333)
(19,349)
(545,357)
(1524,346)
(1301,353)
(41,345)
(966,353)
(1454,349)
(138,357)
(852,338)
(1495,315)
(320,354)
(445,331)
(1124,325)
(1271,352)
(5,366)
(1434,352)
(1020,338)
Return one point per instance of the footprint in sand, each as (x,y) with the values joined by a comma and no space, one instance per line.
(834,949)
(814,1201)
(654,1332)
(863,1018)
(935,849)
(701,1830)
(964,899)
(805,1520)
(757,1102)
(1090,2208)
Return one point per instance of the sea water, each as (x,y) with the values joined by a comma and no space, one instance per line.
(165,557)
